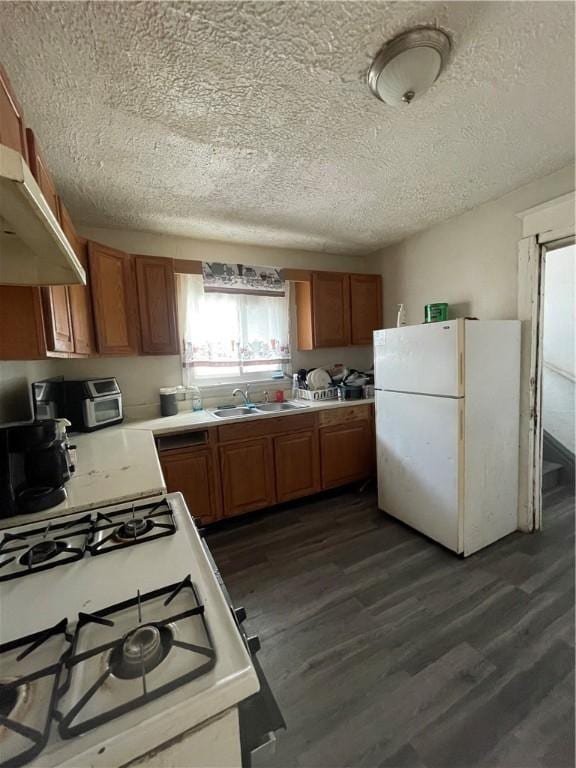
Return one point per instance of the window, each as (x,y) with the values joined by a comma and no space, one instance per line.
(226,335)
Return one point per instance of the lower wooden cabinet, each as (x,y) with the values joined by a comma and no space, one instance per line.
(247,476)
(347,452)
(230,473)
(194,474)
(297,465)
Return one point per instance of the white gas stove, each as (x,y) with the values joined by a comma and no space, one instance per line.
(116,639)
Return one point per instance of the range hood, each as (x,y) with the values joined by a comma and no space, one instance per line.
(33,248)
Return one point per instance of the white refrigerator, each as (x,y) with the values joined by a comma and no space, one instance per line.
(447,422)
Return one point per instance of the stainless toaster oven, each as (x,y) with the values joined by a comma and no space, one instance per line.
(93,403)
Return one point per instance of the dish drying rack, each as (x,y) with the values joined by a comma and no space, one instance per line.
(330,393)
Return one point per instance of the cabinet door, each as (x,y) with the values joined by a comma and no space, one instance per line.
(40,172)
(157,305)
(79,295)
(58,319)
(193,473)
(21,327)
(330,309)
(247,475)
(347,453)
(113,298)
(12,133)
(55,300)
(365,307)
(297,465)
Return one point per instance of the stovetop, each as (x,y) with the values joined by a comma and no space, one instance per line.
(24,551)
(149,633)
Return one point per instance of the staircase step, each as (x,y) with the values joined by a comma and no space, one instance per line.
(551,475)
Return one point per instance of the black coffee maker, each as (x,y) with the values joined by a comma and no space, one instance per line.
(34,466)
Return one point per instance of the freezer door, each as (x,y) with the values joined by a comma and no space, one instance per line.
(419,450)
(425,358)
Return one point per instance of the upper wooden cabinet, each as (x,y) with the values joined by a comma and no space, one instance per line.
(12,130)
(79,295)
(335,309)
(40,172)
(55,300)
(365,307)
(58,319)
(22,334)
(157,305)
(114,300)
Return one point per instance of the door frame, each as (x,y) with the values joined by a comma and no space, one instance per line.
(551,223)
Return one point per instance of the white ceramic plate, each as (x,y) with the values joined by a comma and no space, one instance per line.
(318,379)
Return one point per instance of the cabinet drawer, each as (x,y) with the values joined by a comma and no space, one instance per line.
(179,441)
(345,415)
(265,427)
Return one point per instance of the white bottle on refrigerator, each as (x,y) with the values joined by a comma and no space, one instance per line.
(447,421)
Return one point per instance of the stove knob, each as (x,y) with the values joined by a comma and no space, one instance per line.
(240,614)
(253,643)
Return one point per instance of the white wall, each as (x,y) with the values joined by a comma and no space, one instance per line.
(470,261)
(558,349)
(15,381)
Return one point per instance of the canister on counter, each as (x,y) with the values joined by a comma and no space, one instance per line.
(436,313)
(168,401)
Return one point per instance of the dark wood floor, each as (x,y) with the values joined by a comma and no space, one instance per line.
(384,649)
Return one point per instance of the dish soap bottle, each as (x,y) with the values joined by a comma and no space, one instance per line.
(401,316)
(196,397)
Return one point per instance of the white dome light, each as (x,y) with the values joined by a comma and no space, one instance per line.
(408,65)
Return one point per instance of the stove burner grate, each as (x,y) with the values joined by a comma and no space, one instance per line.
(23,736)
(127,527)
(136,654)
(38,549)
(8,699)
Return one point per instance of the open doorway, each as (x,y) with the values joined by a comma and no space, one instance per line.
(558,372)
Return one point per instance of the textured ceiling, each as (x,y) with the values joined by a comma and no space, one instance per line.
(253,122)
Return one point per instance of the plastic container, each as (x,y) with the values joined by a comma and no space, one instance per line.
(436,313)
(401,319)
(194,394)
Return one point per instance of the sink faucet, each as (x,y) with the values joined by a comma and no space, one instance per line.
(245,394)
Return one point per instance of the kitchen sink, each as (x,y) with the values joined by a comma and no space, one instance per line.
(228,413)
(272,407)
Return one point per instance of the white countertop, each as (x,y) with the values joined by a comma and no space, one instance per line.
(121,463)
(186,420)
(114,465)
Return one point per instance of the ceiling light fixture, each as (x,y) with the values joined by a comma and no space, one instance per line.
(408,65)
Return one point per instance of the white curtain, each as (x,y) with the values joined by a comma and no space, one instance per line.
(225,334)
